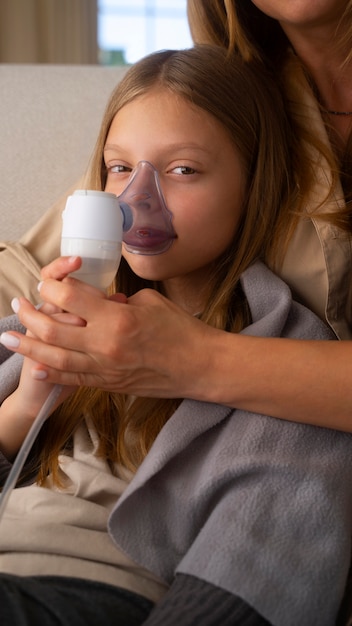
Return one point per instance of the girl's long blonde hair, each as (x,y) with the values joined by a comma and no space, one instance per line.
(240,27)
(244,98)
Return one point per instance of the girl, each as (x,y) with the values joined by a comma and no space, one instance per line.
(213,514)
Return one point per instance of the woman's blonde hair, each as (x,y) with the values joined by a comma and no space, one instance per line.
(247,102)
(240,27)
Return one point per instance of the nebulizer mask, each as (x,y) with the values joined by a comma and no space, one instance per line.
(147,220)
(95,223)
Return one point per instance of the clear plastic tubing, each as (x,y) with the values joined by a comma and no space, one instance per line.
(26,447)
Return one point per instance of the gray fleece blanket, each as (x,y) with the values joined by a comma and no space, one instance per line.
(257,506)
(10,364)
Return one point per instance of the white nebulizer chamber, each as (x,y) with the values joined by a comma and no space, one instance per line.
(93,229)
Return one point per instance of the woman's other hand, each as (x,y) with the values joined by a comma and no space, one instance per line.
(143,345)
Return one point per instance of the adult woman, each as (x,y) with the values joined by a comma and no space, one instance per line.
(308,47)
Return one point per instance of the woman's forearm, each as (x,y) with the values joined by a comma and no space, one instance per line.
(149,347)
(298,380)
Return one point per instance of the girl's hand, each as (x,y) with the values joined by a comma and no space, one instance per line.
(20,409)
(30,394)
(60,268)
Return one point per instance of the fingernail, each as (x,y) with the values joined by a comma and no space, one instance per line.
(9,341)
(40,285)
(39,374)
(15,305)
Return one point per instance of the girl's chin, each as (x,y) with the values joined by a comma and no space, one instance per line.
(146,267)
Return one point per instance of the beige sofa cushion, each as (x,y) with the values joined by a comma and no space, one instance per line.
(49,119)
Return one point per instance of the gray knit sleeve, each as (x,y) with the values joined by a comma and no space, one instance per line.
(10,363)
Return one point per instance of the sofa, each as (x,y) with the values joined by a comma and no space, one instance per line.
(49,121)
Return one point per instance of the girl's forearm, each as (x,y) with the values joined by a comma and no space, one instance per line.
(298,380)
(14,427)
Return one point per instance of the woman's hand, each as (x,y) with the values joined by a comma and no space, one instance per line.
(144,345)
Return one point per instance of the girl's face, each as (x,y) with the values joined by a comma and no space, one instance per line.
(303,13)
(201,178)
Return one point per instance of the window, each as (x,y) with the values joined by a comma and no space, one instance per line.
(128,30)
